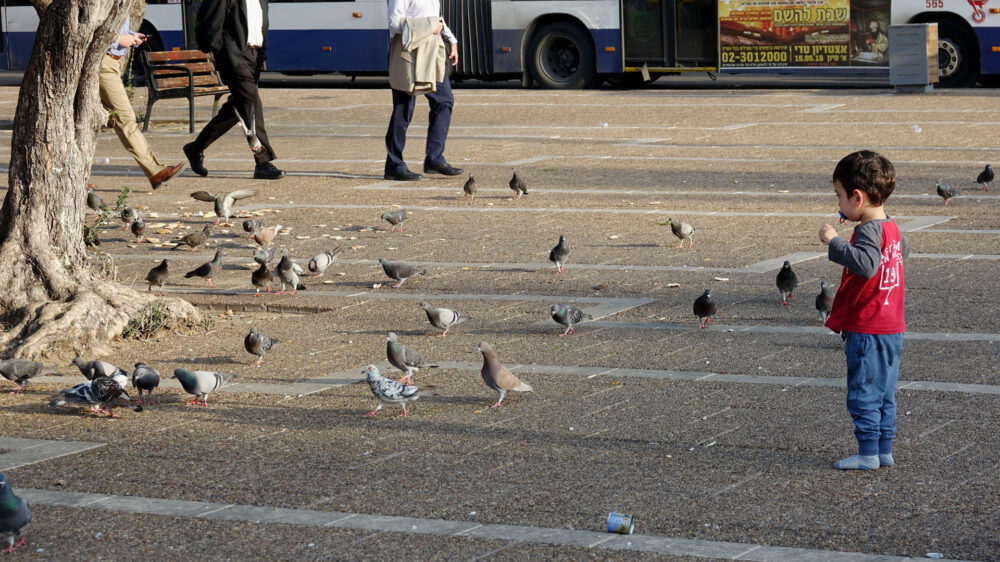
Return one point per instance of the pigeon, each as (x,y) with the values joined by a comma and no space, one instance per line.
(388,390)
(145,378)
(682,230)
(264,236)
(786,281)
(704,308)
(223,205)
(288,272)
(985,178)
(442,318)
(470,188)
(517,185)
(498,377)
(559,254)
(946,191)
(138,228)
(261,278)
(128,216)
(395,218)
(90,237)
(94,369)
(258,344)
(15,514)
(207,270)
(157,275)
(22,370)
(264,255)
(824,301)
(399,271)
(568,316)
(95,202)
(200,383)
(104,391)
(195,239)
(251,226)
(320,262)
(403,358)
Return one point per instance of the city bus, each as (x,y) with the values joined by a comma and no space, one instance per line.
(580,43)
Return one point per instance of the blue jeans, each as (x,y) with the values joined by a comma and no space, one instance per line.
(872,373)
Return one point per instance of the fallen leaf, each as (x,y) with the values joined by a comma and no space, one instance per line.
(672,285)
(328,282)
(722,279)
(302,237)
(376,285)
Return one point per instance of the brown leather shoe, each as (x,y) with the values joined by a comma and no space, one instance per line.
(165,174)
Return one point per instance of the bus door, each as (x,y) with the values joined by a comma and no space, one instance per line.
(670,34)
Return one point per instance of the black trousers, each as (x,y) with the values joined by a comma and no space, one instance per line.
(244,102)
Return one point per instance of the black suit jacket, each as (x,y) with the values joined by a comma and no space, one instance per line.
(221,29)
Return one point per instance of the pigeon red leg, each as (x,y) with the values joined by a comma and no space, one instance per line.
(193,402)
(397,285)
(497,405)
(403,415)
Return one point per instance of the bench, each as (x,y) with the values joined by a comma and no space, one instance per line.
(180,74)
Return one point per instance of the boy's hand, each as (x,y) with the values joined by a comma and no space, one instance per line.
(827,233)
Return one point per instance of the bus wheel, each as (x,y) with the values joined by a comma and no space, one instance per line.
(561,56)
(958,56)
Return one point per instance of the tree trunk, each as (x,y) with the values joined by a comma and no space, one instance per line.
(52,299)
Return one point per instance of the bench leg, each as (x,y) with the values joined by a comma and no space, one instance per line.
(149,109)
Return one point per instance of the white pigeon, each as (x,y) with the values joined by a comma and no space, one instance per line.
(223,206)
(320,262)
(388,390)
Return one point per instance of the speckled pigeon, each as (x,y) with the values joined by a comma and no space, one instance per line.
(258,344)
(395,218)
(559,254)
(320,262)
(107,392)
(517,185)
(824,301)
(704,308)
(568,316)
(403,358)
(200,383)
(145,378)
(399,271)
(15,515)
(388,391)
(442,318)
(498,377)
(786,281)
(22,370)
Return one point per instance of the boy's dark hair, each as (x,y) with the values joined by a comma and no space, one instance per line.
(868,171)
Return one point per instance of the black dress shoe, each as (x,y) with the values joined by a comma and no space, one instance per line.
(267,171)
(402,175)
(443,168)
(196,159)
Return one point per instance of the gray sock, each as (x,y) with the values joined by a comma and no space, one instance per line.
(886,459)
(857,462)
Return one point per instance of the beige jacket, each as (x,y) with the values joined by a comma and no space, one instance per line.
(417,66)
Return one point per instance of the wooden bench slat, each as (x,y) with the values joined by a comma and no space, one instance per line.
(196,67)
(164,56)
(182,81)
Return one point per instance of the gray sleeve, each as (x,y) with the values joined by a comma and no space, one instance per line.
(863,257)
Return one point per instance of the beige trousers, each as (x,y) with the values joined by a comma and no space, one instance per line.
(116,101)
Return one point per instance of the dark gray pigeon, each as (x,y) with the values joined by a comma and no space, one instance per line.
(704,308)
(128,216)
(442,318)
(946,191)
(261,278)
(985,178)
(145,378)
(195,239)
(95,202)
(157,276)
(138,228)
(498,377)
(207,270)
(470,188)
(517,185)
(288,272)
(395,218)
(251,226)
(568,316)
(223,206)
(399,271)
(824,301)
(388,391)
(258,344)
(559,254)
(786,281)
(200,383)
(22,370)
(92,369)
(403,358)
(15,515)
(320,262)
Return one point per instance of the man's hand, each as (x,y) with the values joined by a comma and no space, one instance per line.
(453,56)
(439,26)
(827,233)
(126,40)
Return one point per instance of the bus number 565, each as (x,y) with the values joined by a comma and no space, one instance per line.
(934,3)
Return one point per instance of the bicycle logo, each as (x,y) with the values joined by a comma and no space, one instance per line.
(978,13)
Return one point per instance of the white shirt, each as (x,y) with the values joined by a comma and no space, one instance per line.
(255,24)
(400,9)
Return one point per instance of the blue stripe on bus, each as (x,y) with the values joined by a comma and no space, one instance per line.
(511,62)
(989,37)
(607,62)
(352,50)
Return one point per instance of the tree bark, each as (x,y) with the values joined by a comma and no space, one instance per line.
(52,298)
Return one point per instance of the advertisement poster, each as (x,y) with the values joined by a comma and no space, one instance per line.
(800,33)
